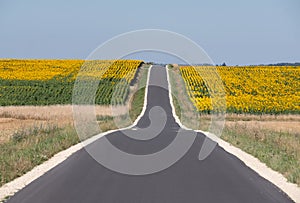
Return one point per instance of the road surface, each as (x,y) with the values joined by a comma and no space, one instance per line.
(219,178)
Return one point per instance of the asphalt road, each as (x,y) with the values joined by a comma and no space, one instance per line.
(219,178)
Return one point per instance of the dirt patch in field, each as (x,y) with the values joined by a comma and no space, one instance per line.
(61,112)
(284,123)
(249,117)
(279,126)
(279,123)
(14,118)
(9,126)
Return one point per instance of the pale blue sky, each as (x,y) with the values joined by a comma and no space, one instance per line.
(234,31)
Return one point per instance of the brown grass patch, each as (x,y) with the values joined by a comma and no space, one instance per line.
(277,126)
(277,123)
(13,118)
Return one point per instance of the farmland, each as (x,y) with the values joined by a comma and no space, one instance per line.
(262,116)
(250,89)
(48,82)
(30,135)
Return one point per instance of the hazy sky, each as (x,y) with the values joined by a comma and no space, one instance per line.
(234,31)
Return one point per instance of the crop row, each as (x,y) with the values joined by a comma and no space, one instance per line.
(45,82)
(250,89)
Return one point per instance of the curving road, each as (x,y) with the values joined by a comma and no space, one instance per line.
(219,178)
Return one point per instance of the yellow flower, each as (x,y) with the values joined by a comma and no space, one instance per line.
(249,89)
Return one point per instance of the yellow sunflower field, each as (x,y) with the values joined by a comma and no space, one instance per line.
(248,89)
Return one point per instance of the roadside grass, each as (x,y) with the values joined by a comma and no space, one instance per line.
(30,147)
(184,108)
(280,150)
